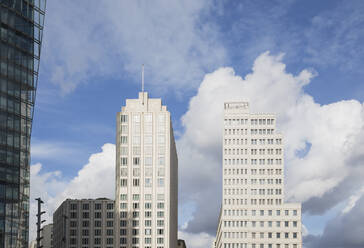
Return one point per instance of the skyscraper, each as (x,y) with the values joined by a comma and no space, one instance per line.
(253,212)
(21,36)
(146,176)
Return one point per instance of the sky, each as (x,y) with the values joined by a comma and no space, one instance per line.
(299,59)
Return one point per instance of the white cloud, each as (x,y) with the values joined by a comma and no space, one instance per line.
(334,161)
(95,179)
(196,240)
(47,150)
(167,36)
(334,132)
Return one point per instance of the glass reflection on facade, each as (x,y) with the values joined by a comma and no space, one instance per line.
(21,34)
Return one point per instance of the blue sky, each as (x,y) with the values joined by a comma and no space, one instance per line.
(91,63)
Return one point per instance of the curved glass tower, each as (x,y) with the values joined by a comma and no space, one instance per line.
(21,35)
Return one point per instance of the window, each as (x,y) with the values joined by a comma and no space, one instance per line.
(148,161)
(161,172)
(136,172)
(124,118)
(123,214)
(124,139)
(123,182)
(148,140)
(148,117)
(148,172)
(124,129)
(161,161)
(124,172)
(148,182)
(136,150)
(160,205)
(136,182)
(160,182)
(136,140)
(124,161)
(136,161)
(160,197)
(123,197)
(123,232)
(136,118)
(160,222)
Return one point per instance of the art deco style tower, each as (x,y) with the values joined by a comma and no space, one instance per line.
(21,31)
(253,212)
(146,176)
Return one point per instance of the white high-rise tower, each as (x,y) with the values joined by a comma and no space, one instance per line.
(146,176)
(253,212)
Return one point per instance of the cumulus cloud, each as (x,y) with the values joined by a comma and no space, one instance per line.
(196,240)
(169,37)
(331,162)
(324,147)
(95,179)
(344,231)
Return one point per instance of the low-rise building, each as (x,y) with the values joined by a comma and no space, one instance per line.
(84,223)
(47,234)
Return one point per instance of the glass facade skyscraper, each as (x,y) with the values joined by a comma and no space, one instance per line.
(21,36)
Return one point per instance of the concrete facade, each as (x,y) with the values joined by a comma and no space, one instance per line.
(146,176)
(47,234)
(253,212)
(86,223)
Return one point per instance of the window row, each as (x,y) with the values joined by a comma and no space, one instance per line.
(148,150)
(148,172)
(244,121)
(136,214)
(241,212)
(261,181)
(245,202)
(136,223)
(262,161)
(136,205)
(148,161)
(245,245)
(136,197)
(252,141)
(148,118)
(147,182)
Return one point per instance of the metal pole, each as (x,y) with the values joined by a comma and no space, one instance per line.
(39,221)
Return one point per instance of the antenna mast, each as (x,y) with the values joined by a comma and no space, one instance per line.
(143,78)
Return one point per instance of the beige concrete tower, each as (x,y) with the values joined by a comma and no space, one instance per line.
(253,212)
(146,176)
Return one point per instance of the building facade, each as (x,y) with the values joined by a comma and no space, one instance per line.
(146,176)
(47,234)
(21,36)
(85,223)
(253,212)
